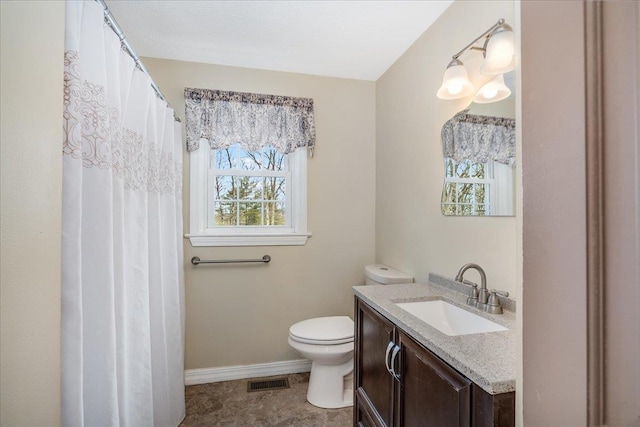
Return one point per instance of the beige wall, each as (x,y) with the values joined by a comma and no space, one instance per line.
(554,287)
(240,315)
(31,135)
(519,214)
(519,223)
(555,325)
(621,103)
(411,233)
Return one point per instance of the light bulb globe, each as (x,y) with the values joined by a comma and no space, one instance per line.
(490,93)
(455,82)
(499,52)
(493,91)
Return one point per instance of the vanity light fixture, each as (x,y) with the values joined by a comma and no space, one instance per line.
(499,57)
(499,51)
(493,91)
(455,83)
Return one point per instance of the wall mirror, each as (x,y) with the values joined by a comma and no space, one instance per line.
(479,159)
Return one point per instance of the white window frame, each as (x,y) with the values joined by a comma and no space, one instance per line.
(490,195)
(500,194)
(200,234)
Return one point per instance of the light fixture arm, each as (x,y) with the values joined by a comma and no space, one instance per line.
(485,34)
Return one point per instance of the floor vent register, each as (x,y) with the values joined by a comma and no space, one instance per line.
(266,385)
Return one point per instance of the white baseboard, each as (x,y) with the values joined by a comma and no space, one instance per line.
(227,373)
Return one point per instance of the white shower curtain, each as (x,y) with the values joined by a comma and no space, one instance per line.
(123,303)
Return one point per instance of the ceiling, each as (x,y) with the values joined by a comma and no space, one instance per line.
(349,39)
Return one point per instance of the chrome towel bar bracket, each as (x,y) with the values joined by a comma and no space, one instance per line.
(196,260)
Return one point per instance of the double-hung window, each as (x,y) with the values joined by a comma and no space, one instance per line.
(248,190)
(477,189)
(248,167)
(248,198)
(467,188)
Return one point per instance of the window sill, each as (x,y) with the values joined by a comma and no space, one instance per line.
(248,240)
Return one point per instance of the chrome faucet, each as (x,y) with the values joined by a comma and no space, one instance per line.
(479,299)
(482,299)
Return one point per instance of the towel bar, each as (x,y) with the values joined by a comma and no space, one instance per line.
(196,260)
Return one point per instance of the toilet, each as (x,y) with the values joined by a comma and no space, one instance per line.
(328,343)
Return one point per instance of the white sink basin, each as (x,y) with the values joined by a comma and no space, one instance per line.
(449,319)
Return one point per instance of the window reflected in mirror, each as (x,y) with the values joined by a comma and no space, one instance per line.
(477,189)
(479,158)
(479,150)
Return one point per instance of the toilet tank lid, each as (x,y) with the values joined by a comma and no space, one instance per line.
(324,329)
(382,274)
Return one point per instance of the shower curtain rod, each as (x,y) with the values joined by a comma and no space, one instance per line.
(111,22)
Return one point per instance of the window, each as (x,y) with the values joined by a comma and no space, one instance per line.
(477,189)
(248,198)
(248,189)
(248,167)
(467,187)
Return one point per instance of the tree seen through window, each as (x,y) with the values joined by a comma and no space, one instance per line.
(466,188)
(249,187)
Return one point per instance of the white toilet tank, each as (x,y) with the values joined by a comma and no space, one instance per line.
(379,274)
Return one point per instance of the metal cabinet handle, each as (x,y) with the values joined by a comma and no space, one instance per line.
(396,350)
(386,356)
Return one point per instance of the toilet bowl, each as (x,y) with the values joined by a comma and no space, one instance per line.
(328,343)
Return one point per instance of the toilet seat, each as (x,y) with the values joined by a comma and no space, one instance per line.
(332,330)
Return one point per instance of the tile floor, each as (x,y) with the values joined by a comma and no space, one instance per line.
(229,404)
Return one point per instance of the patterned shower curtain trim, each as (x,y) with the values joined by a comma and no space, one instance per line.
(93,133)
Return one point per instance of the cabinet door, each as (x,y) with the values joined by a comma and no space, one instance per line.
(363,415)
(374,384)
(431,393)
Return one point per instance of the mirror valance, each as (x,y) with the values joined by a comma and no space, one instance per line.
(479,138)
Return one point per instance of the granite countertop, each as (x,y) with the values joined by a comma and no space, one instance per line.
(487,359)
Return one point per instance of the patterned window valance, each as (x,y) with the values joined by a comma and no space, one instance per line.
(479,138)
(251,120)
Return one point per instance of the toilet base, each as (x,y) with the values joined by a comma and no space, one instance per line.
(331,386)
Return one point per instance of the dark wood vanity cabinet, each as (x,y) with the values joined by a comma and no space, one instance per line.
(375,390)
(419,389)
(431,393)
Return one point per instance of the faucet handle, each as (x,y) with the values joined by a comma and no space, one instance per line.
(493,304)
(473,294)
(501,293)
